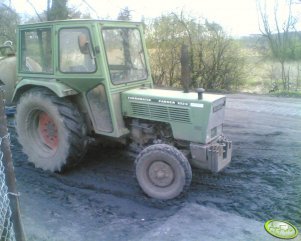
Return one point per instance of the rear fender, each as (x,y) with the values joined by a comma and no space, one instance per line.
(61,90)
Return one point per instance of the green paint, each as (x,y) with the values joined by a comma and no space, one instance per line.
(188,117)
(34,43)
(59,89)
(281,229)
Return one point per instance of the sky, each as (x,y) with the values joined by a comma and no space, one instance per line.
(237,17)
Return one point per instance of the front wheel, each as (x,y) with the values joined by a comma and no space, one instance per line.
(162,171)
(50,129)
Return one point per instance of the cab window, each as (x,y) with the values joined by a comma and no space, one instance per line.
(36,54)
(125,54)
(75,51)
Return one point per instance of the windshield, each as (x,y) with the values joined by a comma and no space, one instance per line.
(125,54)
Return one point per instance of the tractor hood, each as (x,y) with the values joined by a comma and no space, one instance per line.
(193,119)
(170,97)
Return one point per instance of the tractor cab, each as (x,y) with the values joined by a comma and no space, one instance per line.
(96,59)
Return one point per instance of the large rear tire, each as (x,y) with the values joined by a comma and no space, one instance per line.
(50,129)
(162,171)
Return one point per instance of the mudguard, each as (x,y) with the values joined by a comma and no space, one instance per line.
(61,90)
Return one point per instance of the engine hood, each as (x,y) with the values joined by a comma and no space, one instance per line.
(169,97)
(191,119)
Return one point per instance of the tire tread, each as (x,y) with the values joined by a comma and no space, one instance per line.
(73,121)
(164,148)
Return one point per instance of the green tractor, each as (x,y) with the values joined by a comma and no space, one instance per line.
(83,81)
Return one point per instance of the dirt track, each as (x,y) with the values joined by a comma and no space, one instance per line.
(100,199)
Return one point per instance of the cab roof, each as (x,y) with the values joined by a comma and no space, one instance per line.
(75,22)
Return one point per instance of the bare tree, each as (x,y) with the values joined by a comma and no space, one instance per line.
(57,10)
(278,33)
(40,18)
(220,64)
(9,19)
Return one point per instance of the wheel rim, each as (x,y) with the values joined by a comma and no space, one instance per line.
(48,131)
(161,174)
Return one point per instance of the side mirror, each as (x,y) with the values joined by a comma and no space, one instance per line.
(83,44)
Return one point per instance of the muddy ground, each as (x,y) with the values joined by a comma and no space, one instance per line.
(100,199)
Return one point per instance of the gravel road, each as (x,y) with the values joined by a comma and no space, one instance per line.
(100,199)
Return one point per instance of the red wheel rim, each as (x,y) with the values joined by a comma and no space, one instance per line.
(48,131)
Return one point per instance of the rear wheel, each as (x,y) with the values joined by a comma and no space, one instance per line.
(50,129)
(162,171)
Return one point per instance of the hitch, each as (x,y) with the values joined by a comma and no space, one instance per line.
(214,156)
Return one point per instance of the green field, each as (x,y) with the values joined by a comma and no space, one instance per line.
(264,75)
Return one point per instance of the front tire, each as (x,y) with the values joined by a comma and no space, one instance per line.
(50,129)
(162,171)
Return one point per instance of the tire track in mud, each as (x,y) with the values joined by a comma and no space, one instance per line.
(261,189)
(102,192)
(266,159)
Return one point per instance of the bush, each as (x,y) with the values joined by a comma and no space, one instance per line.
(216,61)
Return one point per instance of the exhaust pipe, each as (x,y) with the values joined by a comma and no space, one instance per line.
(185,68)
(200,92)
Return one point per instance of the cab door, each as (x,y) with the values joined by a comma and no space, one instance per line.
(79,67)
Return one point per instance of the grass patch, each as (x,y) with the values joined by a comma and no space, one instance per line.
(291,94)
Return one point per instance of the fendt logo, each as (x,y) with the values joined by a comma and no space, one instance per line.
(281,229)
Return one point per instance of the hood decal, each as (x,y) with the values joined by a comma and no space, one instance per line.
(164,101)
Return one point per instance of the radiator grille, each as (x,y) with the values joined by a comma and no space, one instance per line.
(158,112)
(163,113)
(179,115)
(140,109)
